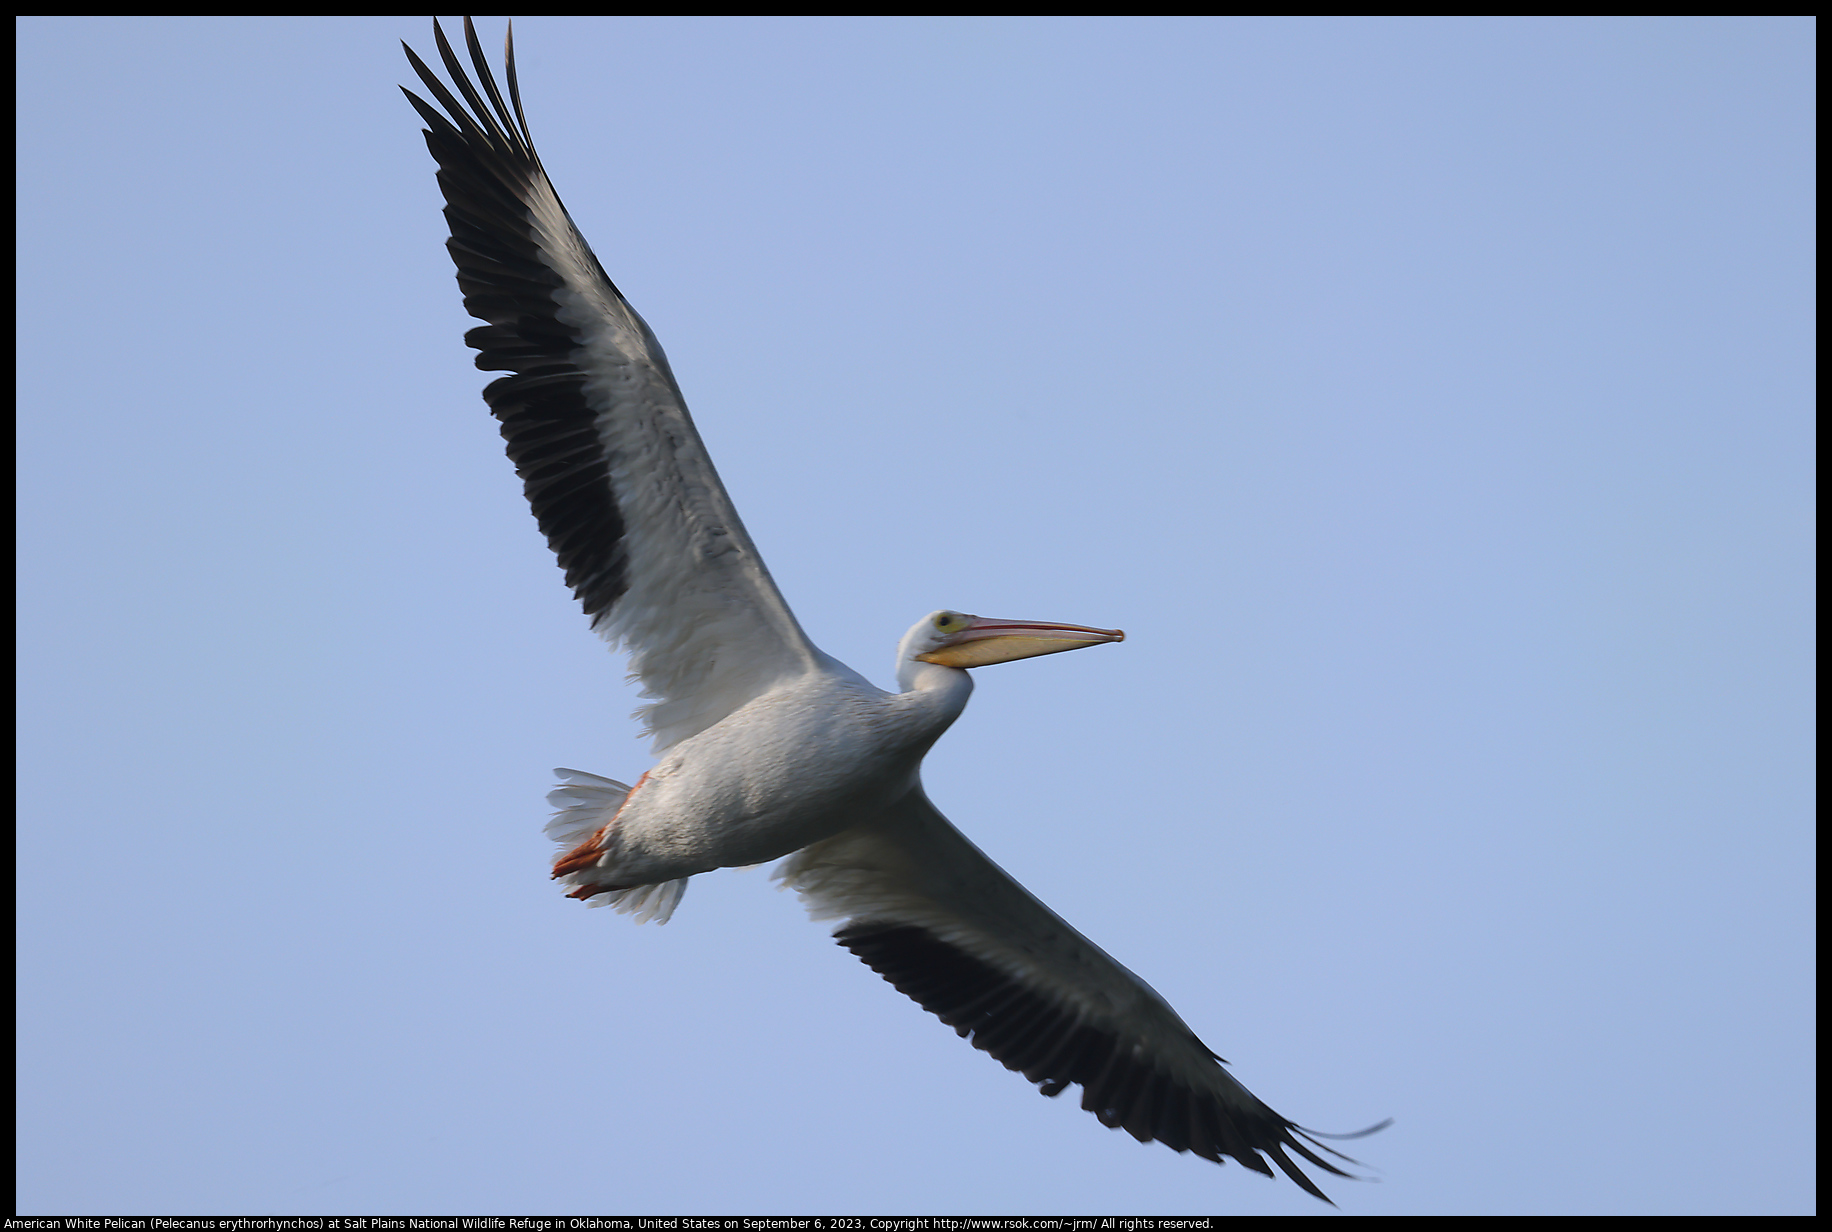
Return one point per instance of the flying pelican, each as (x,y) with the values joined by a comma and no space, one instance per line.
(768,746)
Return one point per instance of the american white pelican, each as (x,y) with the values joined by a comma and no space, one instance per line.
(769,747)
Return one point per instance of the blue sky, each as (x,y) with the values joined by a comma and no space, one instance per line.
(1427,398)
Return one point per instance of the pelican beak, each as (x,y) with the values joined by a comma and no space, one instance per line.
(985,641)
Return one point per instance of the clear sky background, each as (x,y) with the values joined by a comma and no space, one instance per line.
(1426,398)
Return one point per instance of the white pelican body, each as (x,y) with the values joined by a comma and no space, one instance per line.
(796,765)
(769,747)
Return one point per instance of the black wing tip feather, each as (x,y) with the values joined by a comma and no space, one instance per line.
(489,174)
(1053,1046)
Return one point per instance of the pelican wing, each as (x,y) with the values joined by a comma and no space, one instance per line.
(609,458)
(949,928)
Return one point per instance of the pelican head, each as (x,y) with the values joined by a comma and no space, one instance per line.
(955,639)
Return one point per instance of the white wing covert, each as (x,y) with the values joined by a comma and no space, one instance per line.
(610,460)
(951,930)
